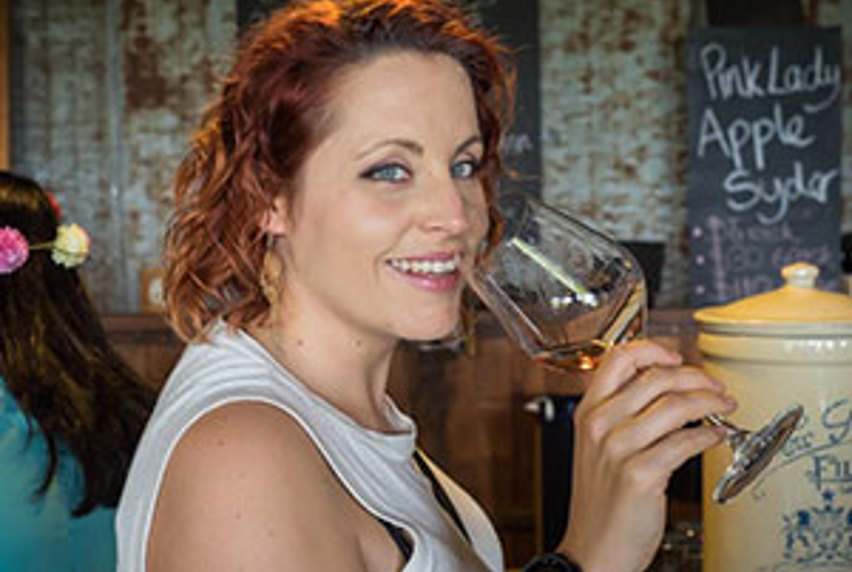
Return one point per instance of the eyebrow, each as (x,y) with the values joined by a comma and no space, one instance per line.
(467,143)
(408,144)
(415,147)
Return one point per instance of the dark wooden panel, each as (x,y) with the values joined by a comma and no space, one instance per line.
(146,342)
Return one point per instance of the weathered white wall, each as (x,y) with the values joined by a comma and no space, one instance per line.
(105,93)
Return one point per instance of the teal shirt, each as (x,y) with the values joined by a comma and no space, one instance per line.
(38,533)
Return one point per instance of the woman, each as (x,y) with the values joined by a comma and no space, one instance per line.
(71,410)
(334,198)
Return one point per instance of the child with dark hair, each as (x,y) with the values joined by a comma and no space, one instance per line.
(71,410)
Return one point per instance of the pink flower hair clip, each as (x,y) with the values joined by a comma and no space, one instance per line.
(70,248)
(14,249)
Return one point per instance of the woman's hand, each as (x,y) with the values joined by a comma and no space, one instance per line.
(630,436)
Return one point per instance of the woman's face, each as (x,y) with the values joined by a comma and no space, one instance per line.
(389,208)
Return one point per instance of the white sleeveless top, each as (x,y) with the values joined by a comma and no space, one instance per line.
(376,468)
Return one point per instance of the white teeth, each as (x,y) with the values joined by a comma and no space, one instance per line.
(425,266)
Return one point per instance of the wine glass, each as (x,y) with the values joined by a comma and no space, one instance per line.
(566,293)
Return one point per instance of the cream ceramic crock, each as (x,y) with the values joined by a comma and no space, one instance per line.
(792,345)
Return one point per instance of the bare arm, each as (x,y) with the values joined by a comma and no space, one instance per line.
(246,489)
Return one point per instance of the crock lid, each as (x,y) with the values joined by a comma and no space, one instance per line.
(797,308)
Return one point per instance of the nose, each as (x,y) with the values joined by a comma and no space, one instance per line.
(448,210)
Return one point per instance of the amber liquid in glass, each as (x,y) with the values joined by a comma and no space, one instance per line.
(584,357)
(587,355)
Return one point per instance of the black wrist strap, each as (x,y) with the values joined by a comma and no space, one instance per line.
(551,562)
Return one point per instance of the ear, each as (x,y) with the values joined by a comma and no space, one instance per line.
(277,219)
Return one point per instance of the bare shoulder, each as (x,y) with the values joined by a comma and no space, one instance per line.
(246,488)
(247,431)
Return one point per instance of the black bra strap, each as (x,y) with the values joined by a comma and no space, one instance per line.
(400,539)
(398,535)
(440,494)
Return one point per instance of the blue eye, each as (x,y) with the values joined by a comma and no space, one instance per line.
(465,169)
(392,172)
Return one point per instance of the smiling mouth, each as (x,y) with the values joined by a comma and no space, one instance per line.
(424,266)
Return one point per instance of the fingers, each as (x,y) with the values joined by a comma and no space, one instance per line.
(666,416)
(623,363)
(645,389)
(635,411)
(649,471)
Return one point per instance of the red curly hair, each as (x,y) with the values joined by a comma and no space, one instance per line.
(256,135)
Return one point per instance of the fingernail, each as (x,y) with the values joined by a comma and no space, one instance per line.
(731,400)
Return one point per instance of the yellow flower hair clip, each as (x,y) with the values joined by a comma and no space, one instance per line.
(71,246)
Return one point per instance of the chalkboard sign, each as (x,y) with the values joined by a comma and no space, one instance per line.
(765,134)
(515,22)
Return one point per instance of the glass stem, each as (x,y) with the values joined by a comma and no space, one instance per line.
(735,434)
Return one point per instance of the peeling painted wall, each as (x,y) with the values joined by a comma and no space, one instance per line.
(105,93)
(104,96)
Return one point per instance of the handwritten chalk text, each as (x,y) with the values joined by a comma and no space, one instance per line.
(735,137)
(751,78)
(748,193)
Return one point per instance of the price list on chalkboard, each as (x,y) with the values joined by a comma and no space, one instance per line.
(765,129)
